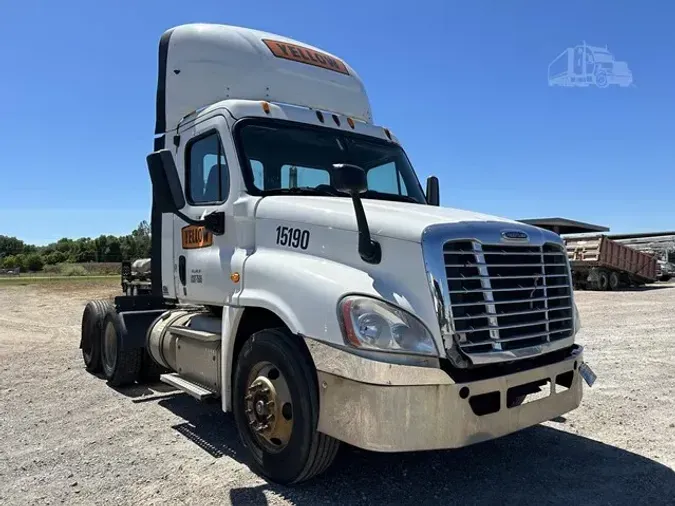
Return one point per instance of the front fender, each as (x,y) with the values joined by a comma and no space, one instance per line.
(301,290)
(304,290)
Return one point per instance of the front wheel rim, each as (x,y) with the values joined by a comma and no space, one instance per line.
(268,407)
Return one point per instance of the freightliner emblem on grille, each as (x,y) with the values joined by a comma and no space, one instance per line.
(514,235)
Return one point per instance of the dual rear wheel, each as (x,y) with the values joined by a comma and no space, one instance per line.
(101,350)
(608,280)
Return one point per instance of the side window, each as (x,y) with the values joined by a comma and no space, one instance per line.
(385,178)
(293,176)
(206,171)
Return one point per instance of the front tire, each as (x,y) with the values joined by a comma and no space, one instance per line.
(276,408)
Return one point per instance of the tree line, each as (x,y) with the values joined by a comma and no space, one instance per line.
(105,248)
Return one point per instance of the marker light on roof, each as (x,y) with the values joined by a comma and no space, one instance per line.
(266,107)
(351,122)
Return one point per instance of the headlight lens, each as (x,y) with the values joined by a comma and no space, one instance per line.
(376,325)
(577,319)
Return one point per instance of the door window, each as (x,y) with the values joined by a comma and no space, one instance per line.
(207,175)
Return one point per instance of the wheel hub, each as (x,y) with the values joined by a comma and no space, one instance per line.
(267,407)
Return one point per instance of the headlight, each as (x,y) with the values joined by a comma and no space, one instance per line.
(376,325)
(577,319)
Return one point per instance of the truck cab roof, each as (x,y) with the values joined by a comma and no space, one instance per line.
(202,64)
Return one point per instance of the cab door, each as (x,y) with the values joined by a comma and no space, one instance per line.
(203,259)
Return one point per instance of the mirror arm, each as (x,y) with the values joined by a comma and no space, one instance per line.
(215,225)
(369,250)
(189,220)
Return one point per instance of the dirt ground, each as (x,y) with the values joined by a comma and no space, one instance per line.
(66,437)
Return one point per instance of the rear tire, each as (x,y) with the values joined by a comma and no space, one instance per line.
(603,281)
(120,367)
(306,452)
(614,281)
(92,332)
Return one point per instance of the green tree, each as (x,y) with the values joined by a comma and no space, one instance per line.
(21,262)
(141,238)
(55,257)
(113,252)
(34,262)
(10,262)
(10,246)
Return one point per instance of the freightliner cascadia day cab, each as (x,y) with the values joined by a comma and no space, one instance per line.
(303,277)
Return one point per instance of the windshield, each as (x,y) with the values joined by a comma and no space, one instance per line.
(291,158)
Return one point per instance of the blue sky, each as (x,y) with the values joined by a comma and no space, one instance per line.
(462,84)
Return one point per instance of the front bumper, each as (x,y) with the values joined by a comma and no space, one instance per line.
(389,408)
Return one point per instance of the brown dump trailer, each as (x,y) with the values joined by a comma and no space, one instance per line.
(598,263)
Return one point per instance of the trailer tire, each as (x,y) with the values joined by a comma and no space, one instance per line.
(92,333)
(120,367)
(306,452)
(614,281)
(603,281)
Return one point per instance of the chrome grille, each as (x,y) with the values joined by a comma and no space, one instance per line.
(507,297)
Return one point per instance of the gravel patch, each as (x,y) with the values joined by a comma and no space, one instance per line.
(66,437)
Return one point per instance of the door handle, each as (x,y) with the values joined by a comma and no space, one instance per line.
(182,270)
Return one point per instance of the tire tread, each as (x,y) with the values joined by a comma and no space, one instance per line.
(94,330)
(128,364)
(323,448)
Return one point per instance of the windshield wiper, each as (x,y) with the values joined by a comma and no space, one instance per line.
(304,190)
(326,190)
(374,194)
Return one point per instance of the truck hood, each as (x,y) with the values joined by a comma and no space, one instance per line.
(399,220)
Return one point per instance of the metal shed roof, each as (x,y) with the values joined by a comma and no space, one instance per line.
(565,226)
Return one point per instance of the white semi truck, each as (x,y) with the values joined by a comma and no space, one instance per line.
(302,276)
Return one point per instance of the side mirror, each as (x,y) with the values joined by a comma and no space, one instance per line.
(350,179)
(433,195)
(166,188)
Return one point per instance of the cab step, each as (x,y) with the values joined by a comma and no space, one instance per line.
(198,392)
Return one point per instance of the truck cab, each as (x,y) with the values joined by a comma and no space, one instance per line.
(303,276)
